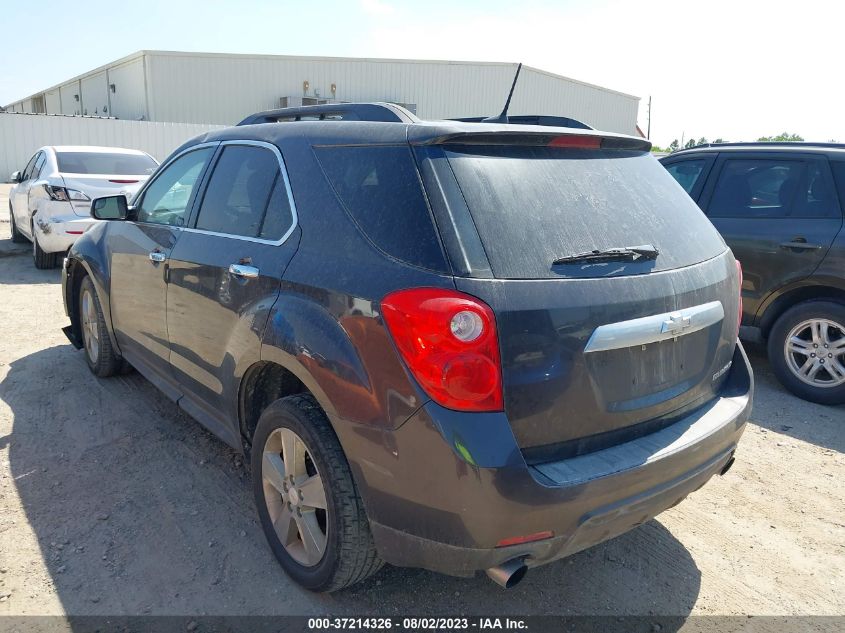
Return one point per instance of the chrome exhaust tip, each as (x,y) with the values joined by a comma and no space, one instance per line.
(508,574)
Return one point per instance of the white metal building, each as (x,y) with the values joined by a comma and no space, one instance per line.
(223,89)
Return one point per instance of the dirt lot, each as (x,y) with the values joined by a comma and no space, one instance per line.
(112,501)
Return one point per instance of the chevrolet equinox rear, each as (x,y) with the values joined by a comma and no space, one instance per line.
(449,345)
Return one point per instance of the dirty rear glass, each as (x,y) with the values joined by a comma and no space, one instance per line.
(380,189)
(533,205)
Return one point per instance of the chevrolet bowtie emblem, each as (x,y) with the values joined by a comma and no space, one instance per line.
(677,323)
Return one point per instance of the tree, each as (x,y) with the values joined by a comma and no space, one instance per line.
(690,143)
(674,145)
(702,141)
(719,140)
(784,137)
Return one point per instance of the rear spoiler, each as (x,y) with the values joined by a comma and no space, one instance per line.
(540,139)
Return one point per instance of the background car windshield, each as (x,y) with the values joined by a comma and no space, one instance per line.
(105,163)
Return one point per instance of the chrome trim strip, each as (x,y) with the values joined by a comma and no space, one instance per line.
(655,328)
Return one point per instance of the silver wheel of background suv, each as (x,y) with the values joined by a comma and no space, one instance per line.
(295,496)
(815,352)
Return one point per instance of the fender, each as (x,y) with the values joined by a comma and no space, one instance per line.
(345,357)
(816,285)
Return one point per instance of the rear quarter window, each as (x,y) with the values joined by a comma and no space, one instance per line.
(380,189)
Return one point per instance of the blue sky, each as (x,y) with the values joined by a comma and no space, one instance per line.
(734,69)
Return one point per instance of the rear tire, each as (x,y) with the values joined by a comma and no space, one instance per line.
(17,236)
(345,553)
(42,259)
(807,351)
(99,353)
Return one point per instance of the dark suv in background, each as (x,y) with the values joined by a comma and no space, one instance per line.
(452,345)
(779,208)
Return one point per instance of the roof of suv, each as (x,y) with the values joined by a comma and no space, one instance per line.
(781,146)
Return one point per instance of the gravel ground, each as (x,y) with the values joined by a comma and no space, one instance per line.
(115,502)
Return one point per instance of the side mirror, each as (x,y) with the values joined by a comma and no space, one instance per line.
(16,176)
(110,208)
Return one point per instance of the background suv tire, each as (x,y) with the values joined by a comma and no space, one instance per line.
(807,351)
(17,236)
(297,461)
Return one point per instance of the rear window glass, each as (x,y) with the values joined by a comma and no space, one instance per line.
(533,205)
(105,163)
(380,189)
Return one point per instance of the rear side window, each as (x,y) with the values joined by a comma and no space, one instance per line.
(105,163)
(380,189)
(246,195)
(533,205)
(687,172)
(762,188)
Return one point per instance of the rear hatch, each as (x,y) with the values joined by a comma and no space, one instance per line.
(101,173)
(593,352)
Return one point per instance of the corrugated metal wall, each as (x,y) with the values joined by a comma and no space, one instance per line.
(226,88)
(22,134)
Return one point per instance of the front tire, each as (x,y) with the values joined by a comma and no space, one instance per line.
(17,236)
(307,502)
(42,259)
(807,351)
(99,353)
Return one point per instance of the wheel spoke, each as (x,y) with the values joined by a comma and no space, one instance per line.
(273,470)
(836,370)
(813,370)
(815,330)
(312,493)
(286,527)
(312,536)
(799,346)
(293,452)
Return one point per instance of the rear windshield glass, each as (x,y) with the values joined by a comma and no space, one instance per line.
(105,163)
(534,205)
(380,189)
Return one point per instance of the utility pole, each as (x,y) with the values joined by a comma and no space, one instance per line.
(648,133)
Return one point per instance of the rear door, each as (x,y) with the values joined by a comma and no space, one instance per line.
(779,213)
(225,273)
(139,251)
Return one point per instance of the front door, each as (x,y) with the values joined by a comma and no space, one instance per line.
(779,214)
(225,273)
(20,202)
(140,248)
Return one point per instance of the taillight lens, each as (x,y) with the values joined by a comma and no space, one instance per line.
(739,275)
(62,194)
(448,340)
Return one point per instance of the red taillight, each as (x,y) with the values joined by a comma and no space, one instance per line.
(448,340)
(739,274)
(530,538)
(576,141)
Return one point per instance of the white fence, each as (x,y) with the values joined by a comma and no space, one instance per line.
(22,134)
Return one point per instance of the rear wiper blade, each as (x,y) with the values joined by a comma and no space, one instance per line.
(623,254)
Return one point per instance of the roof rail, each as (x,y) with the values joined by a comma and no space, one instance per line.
(534,119)
(386,112)
(765,144)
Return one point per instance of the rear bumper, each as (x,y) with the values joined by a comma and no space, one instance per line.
(455,485)
(57,233)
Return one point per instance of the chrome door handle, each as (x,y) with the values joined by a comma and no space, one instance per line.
(241,270)
(802,245)
(157,257)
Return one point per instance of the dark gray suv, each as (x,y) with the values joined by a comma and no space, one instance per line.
(452,345)
(779,208)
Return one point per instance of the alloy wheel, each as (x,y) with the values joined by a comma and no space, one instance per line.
(295,496)
(815,352)
(90,326)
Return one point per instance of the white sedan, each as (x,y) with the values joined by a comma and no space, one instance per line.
(50,203)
